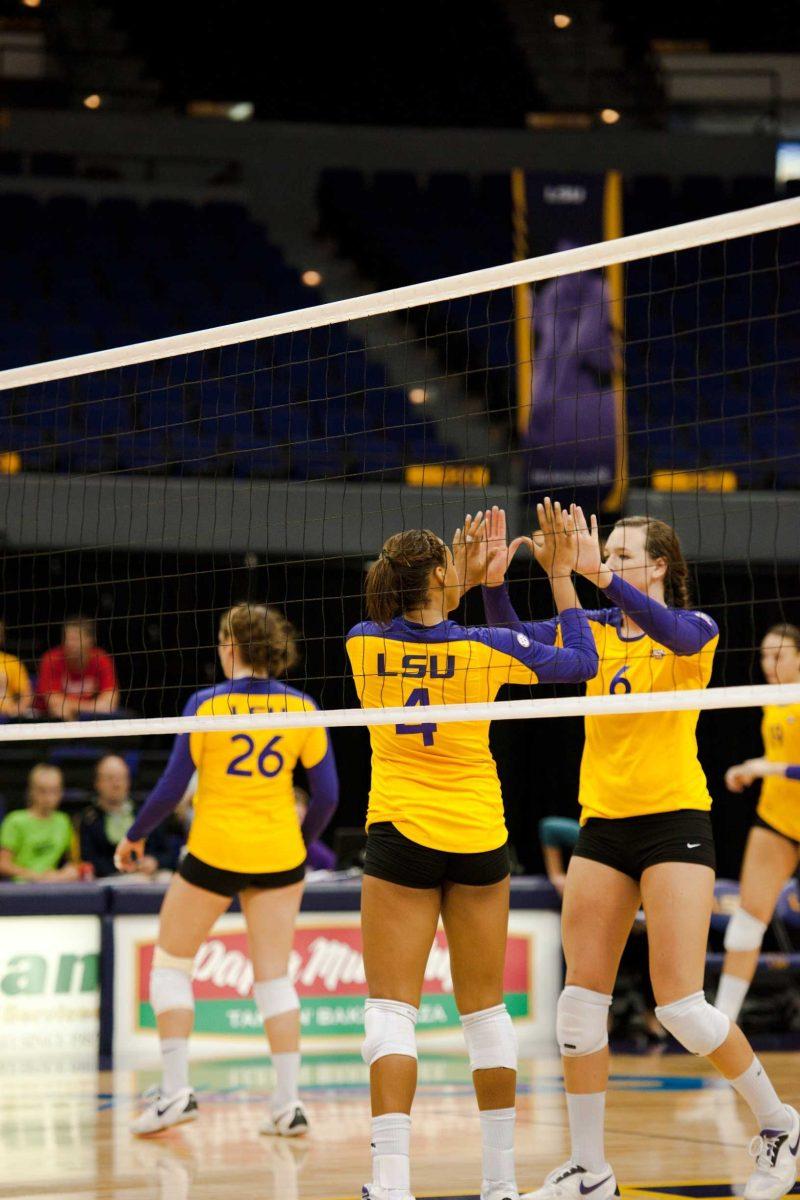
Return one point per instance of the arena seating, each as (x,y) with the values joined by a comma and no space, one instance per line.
(81,277)
(699,396)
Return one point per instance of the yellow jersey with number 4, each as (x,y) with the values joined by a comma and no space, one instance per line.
(438,784)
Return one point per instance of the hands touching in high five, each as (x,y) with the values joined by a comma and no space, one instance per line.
(564,542)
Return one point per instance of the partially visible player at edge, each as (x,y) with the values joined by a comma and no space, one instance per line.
(645,840)
(245,839)
(773,845)
(437,842)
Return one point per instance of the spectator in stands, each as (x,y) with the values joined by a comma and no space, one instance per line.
(36,842)
(106,820)
(16,693)
(77,677)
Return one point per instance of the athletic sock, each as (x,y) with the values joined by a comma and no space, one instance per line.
(497,1136)
(287,1069)
(587,1113)
(391,1148)
(755,1088)
(730,995)
(174,1065)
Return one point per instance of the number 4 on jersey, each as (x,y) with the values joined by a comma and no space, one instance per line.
(418,696)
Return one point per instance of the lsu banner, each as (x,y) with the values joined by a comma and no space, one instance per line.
(569,375)
(327,968)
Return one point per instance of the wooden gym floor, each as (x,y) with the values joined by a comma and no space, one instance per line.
(674,1130)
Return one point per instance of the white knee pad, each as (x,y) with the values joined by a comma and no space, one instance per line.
(491,1039)
(581,1021)
(170,982)
(695,1023)
(274,997)
(389,1028)
(744,931)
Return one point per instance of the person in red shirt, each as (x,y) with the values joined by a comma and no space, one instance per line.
(77,676)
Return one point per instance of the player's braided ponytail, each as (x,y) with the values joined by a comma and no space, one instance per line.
(399,578)
(661,541)
(265,640)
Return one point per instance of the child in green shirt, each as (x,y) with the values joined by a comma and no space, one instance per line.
(35,840)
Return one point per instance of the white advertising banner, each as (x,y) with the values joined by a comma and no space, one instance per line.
(49,989)
(327,969)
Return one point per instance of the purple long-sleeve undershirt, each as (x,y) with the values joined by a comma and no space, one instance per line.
(793,772)
(501,612)
(323,786)
(677,629)
(167,793)
(320,857)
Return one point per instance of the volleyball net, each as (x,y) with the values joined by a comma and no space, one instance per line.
(150,487)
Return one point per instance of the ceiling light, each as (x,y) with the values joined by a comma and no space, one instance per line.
(241,111)
(562,21)
(609,116)
(417,395)
(311,278)
(92,101)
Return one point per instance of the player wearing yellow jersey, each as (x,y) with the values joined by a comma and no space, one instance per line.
(645,840)
(437,842)
(773,846)
(245,840)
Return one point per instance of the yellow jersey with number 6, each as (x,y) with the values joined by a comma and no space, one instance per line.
(644,763)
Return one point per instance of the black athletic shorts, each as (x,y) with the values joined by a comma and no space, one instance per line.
(632,844)
(760,823)
(394,857)
(230,883)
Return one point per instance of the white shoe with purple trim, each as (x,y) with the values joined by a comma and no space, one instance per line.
(573,1182)
(775,1152)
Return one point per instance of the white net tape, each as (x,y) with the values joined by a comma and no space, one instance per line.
(747,696)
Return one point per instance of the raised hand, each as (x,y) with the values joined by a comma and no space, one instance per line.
(469,551)
(555,542)
(589,559)
(499,552)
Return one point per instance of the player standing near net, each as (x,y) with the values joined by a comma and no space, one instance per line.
(437,842)
(645,840)
(773,846)
(245,840)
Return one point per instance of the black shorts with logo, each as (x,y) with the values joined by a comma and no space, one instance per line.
(230,883)
(397,859)
(632,844)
